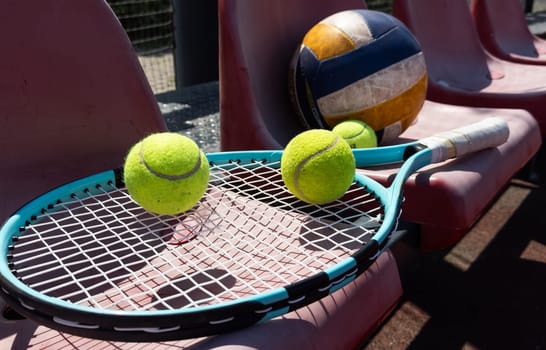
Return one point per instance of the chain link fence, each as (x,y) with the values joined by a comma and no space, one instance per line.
(149,25)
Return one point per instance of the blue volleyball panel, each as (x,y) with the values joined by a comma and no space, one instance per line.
(305,71)
(337,72)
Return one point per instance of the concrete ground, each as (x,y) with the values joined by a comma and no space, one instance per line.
(487,292)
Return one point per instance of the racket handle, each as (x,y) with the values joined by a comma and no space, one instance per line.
(490,132)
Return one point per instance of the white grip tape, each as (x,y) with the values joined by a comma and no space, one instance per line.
(490,132)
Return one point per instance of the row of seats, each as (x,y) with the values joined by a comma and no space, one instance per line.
(444,200)
(74,99)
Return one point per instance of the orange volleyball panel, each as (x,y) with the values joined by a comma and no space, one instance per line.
(327,41)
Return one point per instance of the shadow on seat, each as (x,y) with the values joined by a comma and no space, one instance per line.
(504,32)
(460,70)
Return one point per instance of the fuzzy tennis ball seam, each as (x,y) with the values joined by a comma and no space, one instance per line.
(303,163)
(166,173)
(317,167)
(167,176)
(357,133)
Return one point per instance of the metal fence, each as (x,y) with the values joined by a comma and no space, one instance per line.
(149,25)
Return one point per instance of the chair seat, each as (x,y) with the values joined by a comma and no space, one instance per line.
(509,78)
(340,321)
(530,79)
(514,85)
(448,198)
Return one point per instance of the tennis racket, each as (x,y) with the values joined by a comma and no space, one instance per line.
(85,259)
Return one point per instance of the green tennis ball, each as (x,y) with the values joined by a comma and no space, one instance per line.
(166,173)
(317,166)
(357,133)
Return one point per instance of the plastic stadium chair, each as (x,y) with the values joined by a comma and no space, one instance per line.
(504,31)
(74,99)
(255,111)
(74,96)
(460,70)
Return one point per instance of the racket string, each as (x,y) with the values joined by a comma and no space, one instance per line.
(250,235)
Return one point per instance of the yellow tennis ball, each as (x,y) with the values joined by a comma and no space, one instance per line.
(357,133)
(317,166)
(166,173)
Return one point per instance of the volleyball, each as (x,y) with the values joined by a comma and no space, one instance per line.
(359,64)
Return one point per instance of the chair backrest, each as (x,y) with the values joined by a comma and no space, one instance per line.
(449,40)
(73,95)
(503,28)
(257,41)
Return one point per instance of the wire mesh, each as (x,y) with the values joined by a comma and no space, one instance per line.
(149,25)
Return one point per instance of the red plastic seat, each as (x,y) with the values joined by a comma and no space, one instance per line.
(504,31)
(460,70)
(447,199)
(74,96)
(255,110)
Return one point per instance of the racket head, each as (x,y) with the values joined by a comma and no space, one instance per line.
(230,172)
(249,183)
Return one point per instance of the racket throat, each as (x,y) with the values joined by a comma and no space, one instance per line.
(412,150)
